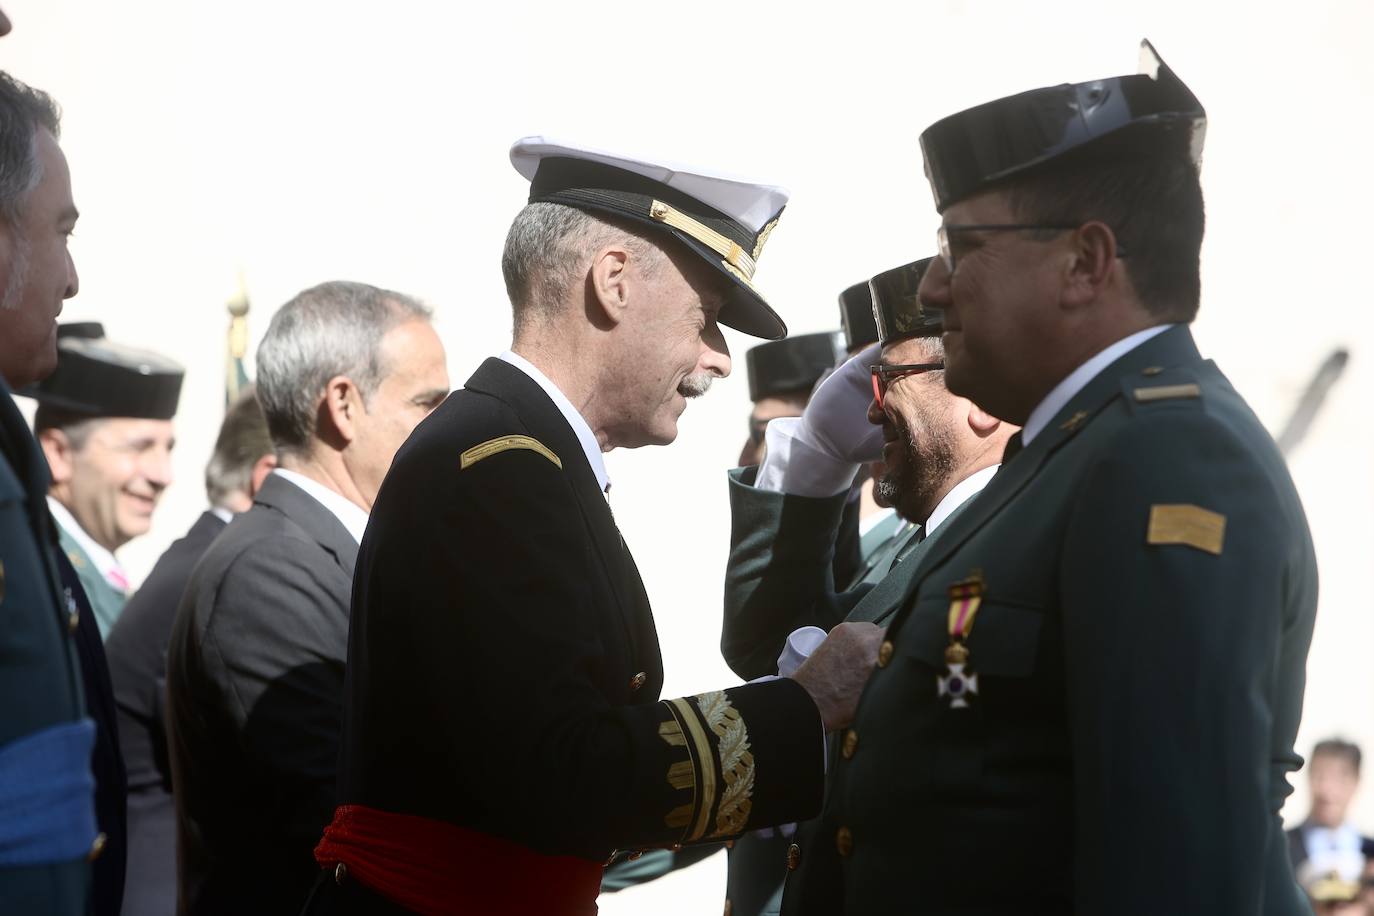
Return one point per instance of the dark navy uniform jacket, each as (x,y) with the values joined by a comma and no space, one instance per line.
(504,668)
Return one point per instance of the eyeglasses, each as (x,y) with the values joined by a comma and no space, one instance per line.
(884,376)
(947,252)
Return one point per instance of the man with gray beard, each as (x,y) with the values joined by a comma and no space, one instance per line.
(939,451)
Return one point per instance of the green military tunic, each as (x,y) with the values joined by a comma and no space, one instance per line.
(1145,587)
(107,602)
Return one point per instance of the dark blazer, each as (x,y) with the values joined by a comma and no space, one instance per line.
(1148,594)
(137,652)
(255,672)
(504,668)
(40,675)
(111,783)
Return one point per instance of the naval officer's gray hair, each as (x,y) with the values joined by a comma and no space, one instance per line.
(329,330)
(548,251)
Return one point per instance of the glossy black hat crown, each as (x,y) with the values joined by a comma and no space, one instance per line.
(100,378)
(897,309)
(795,364)
(981,146)
(856,317)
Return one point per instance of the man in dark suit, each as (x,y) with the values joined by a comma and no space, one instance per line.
(1092,684)
(255,666)
(48,827)
(504,734)
(137,654)
(938,451)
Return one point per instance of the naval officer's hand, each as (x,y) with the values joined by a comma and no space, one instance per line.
(836,672)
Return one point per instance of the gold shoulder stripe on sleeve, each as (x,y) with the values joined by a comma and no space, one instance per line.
(504,444)
(1189,525)
(1167,393)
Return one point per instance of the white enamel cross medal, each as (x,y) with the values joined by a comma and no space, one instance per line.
(959,683)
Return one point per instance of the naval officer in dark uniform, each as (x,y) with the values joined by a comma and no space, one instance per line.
(503,731)
(48,827)
(937,452)
(1088,699)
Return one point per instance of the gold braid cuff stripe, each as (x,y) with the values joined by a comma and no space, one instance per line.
(735,256)
(504,444)
(706,772)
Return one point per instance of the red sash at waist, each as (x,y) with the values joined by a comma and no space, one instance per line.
(440,869)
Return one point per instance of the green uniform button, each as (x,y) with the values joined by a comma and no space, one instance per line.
(885,653)
(844,841)
(850,744)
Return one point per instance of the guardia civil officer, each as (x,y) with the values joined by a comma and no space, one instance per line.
(503,732)
(938,451)
(1092,689)
(104,420)
(48,827)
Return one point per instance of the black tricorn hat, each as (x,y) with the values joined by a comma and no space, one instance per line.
(981,146)
(795,364)
(856,317)
(897,308)
(97,377)
(724,220)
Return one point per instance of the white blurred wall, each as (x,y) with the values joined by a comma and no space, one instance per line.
(303,141)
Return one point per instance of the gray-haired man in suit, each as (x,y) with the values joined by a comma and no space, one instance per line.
(255,669)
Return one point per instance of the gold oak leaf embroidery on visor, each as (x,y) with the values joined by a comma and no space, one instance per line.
(736,761)
(504,444)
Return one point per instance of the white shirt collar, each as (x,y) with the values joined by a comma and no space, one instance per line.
(104,560)
(955,497)
(1078,379)
(350,515)
(579,426)
(222,514)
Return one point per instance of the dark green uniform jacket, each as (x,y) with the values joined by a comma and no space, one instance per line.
(107,602)
(504,668)
(1147,588)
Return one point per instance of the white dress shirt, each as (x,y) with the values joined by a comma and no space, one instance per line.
(351,515)
(1078,379)
(105,562)
(590,447)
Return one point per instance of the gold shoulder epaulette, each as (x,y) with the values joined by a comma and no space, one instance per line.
(505,444)
(1168,393)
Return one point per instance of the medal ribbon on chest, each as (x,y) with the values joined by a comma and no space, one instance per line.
(959,682)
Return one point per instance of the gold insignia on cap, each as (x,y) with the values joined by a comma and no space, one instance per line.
(504,444)
(735,256)
(763,237)
(1167,393)
(1186,524)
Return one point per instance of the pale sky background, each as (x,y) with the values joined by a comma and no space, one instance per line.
(304,141)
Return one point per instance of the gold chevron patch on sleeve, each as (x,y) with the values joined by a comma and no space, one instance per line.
(504,444)
(1189,525)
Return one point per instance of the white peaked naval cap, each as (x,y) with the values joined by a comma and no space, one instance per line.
(724,220)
